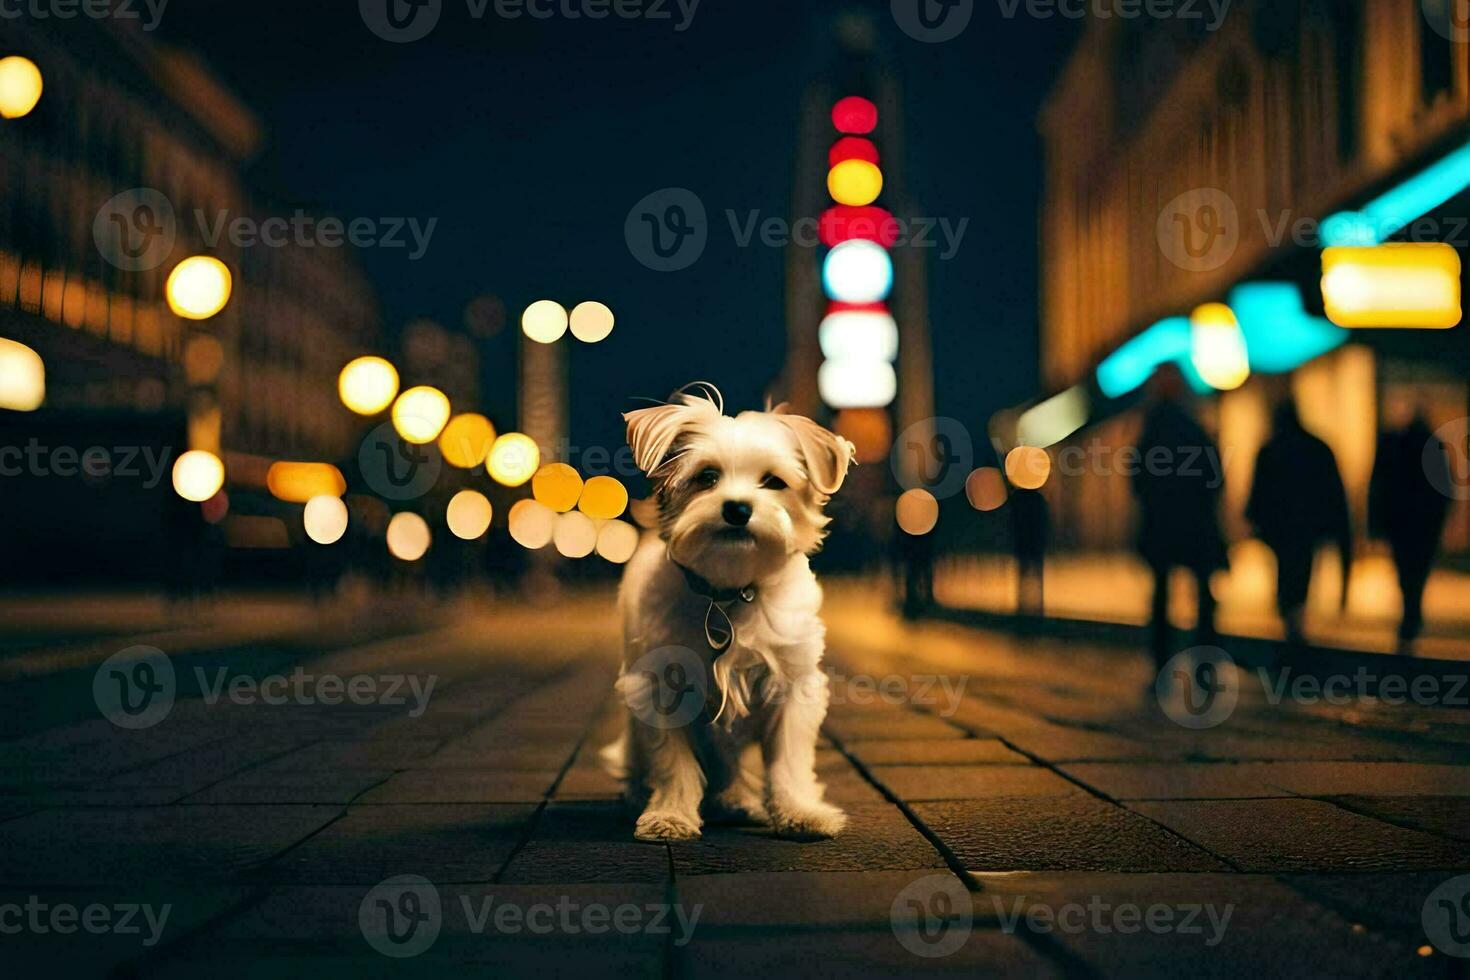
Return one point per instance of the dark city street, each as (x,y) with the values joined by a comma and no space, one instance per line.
(687,488)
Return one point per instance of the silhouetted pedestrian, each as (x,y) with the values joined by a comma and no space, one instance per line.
(1030,531)
(1407,506)
(1297,502)
(1178,482)
(916,556)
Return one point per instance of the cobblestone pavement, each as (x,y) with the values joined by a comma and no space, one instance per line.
(381,794)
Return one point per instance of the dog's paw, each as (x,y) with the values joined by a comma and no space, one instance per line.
(736,806)
(665,825)
(811,822)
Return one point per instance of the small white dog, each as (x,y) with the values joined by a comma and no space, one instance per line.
(722,638)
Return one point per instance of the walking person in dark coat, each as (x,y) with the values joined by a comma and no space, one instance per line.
(1297,502)
(1178,483)
(1408,506)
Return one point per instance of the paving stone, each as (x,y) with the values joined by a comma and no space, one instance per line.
(1195,925)
(878,837)
(201,843)
(365,754)
(1057,744)
(1303,835)
(875,953)
(793,900)
(131,931)
(915,783)
(585,843)
(1067,833)
(1176,781)
(463,755)
(1372,779)
(462,786)
(898,725)
(935,752)
(441,842)
(844,787)
(1447,816)
(586,782)
(1391,902)
(262,786)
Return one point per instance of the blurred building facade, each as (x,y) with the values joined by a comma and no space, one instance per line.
(1294,110)
(83,272)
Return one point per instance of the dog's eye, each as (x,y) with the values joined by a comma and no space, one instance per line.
(707,477)
(773,482)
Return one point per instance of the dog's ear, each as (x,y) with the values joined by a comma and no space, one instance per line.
(827,454)
(652,432)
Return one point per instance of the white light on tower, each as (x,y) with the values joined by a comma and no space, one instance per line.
(857,383)
(859,334)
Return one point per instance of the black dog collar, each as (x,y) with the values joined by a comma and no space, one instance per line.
(718,635)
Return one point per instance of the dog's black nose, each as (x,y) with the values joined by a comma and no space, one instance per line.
(737,512)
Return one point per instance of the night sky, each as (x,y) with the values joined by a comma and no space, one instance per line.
(531,140)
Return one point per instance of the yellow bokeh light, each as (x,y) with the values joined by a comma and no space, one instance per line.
(22,377)
(591,322)
(603,498)
(855,182)
(325,519)
(616,541)
(368,385)
(468,515)
(532,524)
(557,486)
(544,321)
(420,414)
(1028,467)
(575,535)
(985,488)
(514,459)
(298,483)
(199,287)
(466,440)
(916,511)
(1217,347)
(408,537)
(20,86)
(1407,284)
(198,475)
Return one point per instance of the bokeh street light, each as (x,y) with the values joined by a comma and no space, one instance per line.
(575,535)
(1217,347)
(917,511)
(855,182)
(199,287)
(198,475)
(420,414)
(20,86)
(408,537)
(603,498)
(616,541)
(544,321)
(558,486)
(299,483)
(22,377)
(858,271)
(466,440)
(591,322)
(325,519)
(368,385)
(1028,467)
(514,459)
(532,524)
(468,515)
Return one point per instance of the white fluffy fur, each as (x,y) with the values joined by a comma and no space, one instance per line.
(755,762)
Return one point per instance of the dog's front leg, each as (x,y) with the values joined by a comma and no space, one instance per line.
(675,783)
(789,743)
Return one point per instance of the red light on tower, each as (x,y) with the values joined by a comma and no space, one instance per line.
(845,222)
(852,148)
(856,115)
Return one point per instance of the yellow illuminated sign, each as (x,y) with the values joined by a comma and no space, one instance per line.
(1401,285)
